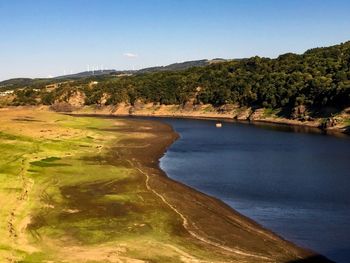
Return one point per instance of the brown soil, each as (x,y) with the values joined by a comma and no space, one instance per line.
(230,112)
(206,220)
(197,218)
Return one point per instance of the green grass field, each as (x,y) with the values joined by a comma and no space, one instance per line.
(63,201)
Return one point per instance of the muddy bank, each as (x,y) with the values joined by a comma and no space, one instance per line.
(206,221)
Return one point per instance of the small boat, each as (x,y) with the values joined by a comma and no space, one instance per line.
(218,125)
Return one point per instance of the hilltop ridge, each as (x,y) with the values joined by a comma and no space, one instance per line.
(23,82)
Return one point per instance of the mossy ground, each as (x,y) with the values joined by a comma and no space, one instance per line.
(63,201)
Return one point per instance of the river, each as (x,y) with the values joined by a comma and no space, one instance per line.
(295,183)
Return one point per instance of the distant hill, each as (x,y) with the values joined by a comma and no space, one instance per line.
(87,74)
(15,82)
(24,82)
(20,83)
(176,66)
(172,67)
(301,87)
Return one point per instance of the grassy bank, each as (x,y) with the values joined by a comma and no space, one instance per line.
(89,190)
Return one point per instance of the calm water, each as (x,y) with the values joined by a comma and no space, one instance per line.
(297,184)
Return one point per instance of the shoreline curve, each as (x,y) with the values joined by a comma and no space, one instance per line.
(208,219)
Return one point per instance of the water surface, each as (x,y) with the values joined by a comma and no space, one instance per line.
(294,183)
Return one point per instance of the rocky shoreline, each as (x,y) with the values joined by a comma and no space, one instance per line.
(337,125)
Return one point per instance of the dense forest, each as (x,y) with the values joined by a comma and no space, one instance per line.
(318,78)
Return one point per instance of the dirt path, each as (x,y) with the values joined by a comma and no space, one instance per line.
(191,232)
(16,230)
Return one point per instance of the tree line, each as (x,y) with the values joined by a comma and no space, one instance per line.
(318,78)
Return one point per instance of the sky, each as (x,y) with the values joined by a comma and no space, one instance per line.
(44,38)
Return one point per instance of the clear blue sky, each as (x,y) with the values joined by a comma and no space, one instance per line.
(48,37)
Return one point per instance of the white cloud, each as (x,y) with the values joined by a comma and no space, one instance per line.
(130,55)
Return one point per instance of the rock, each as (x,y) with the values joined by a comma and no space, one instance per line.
(258,114)
(104,98)
(135,107)
(188,106)
(299,112)
(131,110)
(244,114)
(138,105)
(77,99)
(329,123)
(226,108)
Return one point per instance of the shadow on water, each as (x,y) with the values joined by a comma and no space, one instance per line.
(313,259)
